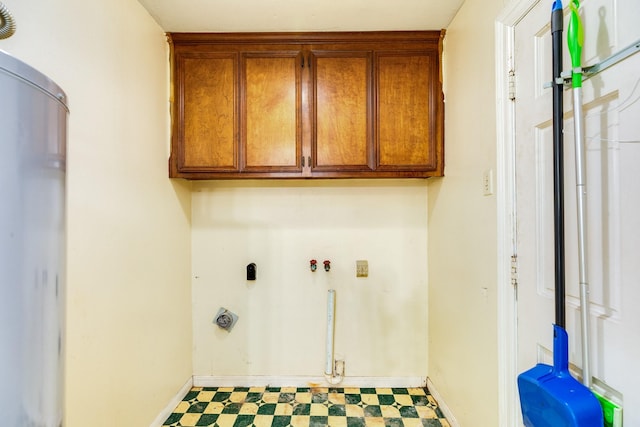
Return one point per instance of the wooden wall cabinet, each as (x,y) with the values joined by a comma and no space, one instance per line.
(307,105)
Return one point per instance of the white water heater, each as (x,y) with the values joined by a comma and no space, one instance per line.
(33,123)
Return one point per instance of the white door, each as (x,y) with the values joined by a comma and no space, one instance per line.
(612,117)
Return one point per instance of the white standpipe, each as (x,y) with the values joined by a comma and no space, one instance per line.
(331,321)
(330,373)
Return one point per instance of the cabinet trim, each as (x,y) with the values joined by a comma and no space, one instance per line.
(375,38)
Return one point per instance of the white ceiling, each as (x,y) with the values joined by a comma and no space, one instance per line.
(301,15)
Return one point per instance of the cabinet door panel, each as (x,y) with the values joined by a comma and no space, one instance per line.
(272,120)
(406,111)
(208,112)
(342,119)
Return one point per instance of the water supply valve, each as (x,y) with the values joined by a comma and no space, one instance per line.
(313,265)
(327,265)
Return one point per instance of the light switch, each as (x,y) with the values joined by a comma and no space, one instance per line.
(487,182)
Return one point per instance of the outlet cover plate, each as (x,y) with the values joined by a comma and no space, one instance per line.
(487,182)
(362,268)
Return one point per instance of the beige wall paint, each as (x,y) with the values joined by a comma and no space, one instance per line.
(381,321)
(462,226)
(129,302)
(129,336)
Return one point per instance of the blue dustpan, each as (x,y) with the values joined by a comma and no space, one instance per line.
(551,397)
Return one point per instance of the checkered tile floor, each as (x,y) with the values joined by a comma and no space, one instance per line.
(307,407)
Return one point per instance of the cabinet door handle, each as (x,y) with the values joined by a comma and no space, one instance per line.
(302,62)
(303,161)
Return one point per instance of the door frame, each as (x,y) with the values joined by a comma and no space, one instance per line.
(505,23)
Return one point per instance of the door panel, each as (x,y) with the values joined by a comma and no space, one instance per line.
(406,111)
(342,123)
(272,124)
(208,104)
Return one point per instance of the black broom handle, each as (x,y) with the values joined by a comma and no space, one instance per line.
(558,166)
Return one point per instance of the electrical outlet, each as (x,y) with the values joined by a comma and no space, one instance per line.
(362,268)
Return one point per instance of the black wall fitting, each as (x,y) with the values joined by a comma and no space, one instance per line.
(251,271)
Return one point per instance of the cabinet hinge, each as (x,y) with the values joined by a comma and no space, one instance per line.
(512,85)
(514,270)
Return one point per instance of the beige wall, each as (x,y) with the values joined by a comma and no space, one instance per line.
(129,325)
(129,303)
(462,226)
(381,321)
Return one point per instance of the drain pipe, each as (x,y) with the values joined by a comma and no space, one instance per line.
(7,23)
(331,373)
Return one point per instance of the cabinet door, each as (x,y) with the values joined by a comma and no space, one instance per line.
(341,111)
(207,112)
(272,118)
(408,119)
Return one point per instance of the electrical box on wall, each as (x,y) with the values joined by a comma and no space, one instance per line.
(362,268)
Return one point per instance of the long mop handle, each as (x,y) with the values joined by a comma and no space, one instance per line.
(575,39)
(558,156)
